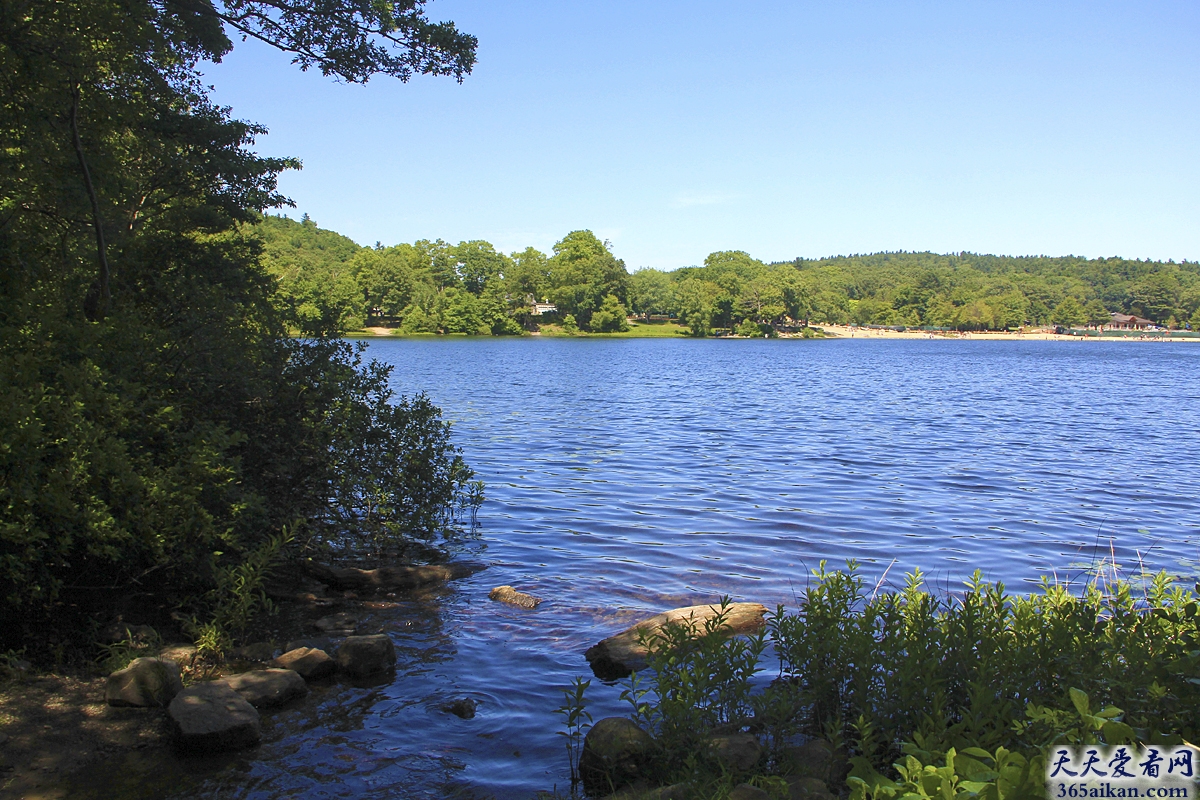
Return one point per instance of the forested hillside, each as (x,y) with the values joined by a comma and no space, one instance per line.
(329,284)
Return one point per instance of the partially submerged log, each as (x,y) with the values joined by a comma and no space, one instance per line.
(618,656)
(390,577)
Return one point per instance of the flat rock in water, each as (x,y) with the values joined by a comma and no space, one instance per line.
(507,594)
(145,682)
(309,662)
(390,577)
(267,687)
(211,717)
(337,622)
(318,642)
(366,655)
(618,656)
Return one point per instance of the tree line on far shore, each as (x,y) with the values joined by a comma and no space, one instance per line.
(328,284)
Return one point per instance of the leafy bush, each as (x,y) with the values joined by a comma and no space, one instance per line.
(924,696)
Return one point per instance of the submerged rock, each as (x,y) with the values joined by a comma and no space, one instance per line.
(507,594)
(267,687)
(618,656)
(337,622)
(463,708)
(615,754)
(309,662)
(366,655)
(145,682)
(211,717)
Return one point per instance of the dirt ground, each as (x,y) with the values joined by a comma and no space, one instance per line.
(53,725)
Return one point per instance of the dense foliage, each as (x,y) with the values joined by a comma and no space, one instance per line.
(329,283)
(160,435)
(917,680)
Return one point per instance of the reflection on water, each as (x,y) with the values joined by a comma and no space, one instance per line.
(629,476)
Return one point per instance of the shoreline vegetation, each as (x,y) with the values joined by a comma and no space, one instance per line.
(639,329)
(328,284)
(900,693)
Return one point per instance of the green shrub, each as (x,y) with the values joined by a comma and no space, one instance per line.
(924,695)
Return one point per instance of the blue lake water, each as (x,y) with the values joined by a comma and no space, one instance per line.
(627,476)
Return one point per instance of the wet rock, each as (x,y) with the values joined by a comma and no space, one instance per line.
(145,682)
(309,662)
(744,791)
(366,655)
(618,656)
(337,622)
(463,708)
(259,651)
(179,653)
(211,717)
(737,753)
(267,687)
(507,594)
(390,577)
(801,788)
(318,643)
(811,759)
(615,754)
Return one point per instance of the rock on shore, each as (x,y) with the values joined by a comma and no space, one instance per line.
(618,656)
(211,717)
(145,682)
(310,663)
(267,687)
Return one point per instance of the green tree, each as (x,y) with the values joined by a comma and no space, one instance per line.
(610,317)
(650,292)
(696,304)
(1096,314)
(1069,313)
(160,428)
(582,272)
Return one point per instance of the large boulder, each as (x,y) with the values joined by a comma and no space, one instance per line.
(366,655)
(618,656)
(744,791)
(267,687)
(211,717)
(737,753)
(801,788)
(309,662)
(616,752)
(145,682)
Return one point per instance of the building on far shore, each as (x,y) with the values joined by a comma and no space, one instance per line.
(544,308)
(1129,322)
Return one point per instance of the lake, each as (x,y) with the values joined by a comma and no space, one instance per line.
(628,476)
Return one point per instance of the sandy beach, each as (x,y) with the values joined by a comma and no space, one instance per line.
(854,332)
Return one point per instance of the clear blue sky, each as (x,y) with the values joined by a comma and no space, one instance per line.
(781,128)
